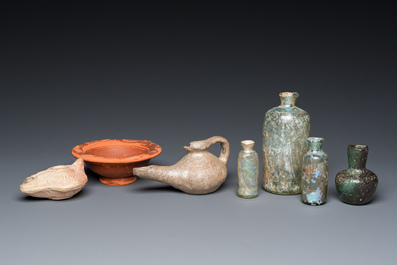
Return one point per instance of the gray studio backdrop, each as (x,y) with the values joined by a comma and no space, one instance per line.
(174,73)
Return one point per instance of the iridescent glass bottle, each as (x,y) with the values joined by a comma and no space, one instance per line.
(315,173)
(357,184)
(247,170)
(285,132)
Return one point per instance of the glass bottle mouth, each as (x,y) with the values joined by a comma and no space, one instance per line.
(358,147)
(357,155)
(288,98)
(247,144)
(289,95)
(315,143)
(315,139)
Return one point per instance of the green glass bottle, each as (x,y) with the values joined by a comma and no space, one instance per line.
(315,173)
(247,171)
(357,184)
(285,132)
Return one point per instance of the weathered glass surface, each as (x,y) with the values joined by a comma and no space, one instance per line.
(285,132)
(247,170)
(357,184)
(315,173)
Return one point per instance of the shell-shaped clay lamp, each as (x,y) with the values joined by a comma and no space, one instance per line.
(56,183)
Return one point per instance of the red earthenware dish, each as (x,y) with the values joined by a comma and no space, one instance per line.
(114,159)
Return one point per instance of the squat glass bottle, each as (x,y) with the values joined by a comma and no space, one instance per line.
(357,184)
(315,173)
(285,132)
(247,170)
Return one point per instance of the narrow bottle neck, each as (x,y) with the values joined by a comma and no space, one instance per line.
(288,99)
(315,147)
(357,156)
(248,145)
(315,144)
(288,102)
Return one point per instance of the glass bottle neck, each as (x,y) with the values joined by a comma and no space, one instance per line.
(288,99)
(248,145)
(357,155)
(315,147)
(315,144)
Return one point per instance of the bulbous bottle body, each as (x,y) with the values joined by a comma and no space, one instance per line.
(356,185)
(285,132)
(247,170)
(315,173)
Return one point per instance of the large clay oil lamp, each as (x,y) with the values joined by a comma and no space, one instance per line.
(114,159)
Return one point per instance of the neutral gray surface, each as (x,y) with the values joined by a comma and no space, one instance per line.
(176,73)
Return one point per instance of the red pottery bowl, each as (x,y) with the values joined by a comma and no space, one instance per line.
(114,159)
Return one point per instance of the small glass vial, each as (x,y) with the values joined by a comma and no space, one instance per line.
(247,170)
(315,173)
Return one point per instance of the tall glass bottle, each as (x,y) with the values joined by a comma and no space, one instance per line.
(247,170)
(315,173)
(285,132)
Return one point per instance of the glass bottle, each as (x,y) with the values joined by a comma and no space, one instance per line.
(356,185)
(315,173)
(247,170)
(285,132)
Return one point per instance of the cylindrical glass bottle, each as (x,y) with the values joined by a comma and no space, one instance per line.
(285,132)
(247,170)
(315,173)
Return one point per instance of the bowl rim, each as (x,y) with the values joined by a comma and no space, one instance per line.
(80,151)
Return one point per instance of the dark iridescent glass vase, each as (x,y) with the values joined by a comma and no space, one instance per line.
(356,185)
(285,132)
(315,173)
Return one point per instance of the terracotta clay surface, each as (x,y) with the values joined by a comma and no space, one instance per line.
(56,183)
(114,159)
(198,172)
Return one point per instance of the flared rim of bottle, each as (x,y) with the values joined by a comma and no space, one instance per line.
(247,144)
(289,95)
(315,139)
(358,146)
(288,99)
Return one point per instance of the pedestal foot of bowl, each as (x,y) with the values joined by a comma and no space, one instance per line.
(117,181)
